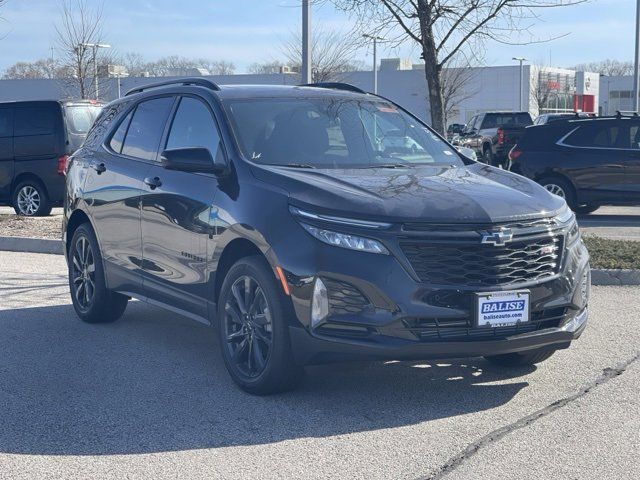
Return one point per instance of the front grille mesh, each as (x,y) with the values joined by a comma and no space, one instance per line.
(344,298)
(480,265)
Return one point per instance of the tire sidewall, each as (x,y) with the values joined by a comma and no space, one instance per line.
(100,285)
(280,346)
(43,209)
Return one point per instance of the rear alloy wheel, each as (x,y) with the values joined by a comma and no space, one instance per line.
(253,329)
(556,190)
(30,200)
(92,301)
(520,359)
(561,188)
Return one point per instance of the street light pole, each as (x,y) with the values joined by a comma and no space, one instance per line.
(306,42)
(95,47)
(375,59)
(636,76)
(522,59)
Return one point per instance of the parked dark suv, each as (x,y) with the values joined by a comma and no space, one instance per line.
(282,215)
(36,138)
(588,162)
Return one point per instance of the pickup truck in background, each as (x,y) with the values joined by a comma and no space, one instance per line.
(493,134)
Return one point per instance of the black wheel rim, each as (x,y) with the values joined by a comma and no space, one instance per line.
(248,327)
(83,272)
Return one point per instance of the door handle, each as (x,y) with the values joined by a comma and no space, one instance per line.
(99,167)
(153,183)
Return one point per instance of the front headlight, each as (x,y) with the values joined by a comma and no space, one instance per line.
(344,240)
(567,218)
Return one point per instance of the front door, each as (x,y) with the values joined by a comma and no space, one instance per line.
(176,210)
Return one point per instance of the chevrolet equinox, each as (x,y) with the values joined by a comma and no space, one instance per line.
(314,224)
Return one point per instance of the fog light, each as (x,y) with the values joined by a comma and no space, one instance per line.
(319,304)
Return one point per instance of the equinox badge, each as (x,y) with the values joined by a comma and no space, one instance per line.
(498,238)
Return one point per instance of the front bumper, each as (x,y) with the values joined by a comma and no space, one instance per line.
(403,317)
(312,349)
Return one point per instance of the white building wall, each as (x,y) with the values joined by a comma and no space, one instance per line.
(616,93)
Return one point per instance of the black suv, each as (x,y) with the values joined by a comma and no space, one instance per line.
(589,162)
(36,138)
(286,216)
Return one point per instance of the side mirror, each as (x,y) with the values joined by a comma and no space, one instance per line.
(192,159)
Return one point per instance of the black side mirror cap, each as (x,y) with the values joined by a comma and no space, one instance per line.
(192,159)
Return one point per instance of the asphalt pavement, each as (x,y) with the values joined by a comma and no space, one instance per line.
(148,397)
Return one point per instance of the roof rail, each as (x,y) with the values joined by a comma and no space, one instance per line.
(201,82)
(335,86)
(622,113)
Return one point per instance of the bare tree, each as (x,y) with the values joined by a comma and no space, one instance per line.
(609,67)
(42,68)
(80,25)
(175,64)
(456,79)
(134,63)
(332,53)
(266,67)
(218,67)
(443,28)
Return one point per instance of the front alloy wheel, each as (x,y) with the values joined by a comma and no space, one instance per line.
(28,200)
(248,327)
(556,190)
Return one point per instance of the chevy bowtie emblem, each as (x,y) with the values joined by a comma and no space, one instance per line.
(498,238)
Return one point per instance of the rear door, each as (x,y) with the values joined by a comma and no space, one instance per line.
(6,152)
(114,185)
(595,161)
(176,216)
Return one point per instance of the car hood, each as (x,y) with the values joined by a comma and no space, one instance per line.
(468,194)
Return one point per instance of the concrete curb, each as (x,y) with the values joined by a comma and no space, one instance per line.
(615,277)
(42,245)
(31,245)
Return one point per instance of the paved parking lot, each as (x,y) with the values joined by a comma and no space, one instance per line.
(148,397)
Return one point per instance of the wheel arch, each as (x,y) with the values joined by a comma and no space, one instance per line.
(78,217)
(27,176)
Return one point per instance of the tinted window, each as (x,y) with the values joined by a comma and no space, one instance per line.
(597,134)
(334,133)
(495,120)
(35,121)
(193,126)
(146,128)
(6,122)
(635,137)
(118,137)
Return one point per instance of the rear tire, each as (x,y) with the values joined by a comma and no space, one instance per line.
(586,209)
(92,301)
(520,359)
(562,188)
(30,199)
(487,157)
(253,329)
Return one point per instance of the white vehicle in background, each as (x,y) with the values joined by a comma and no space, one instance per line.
(467,152)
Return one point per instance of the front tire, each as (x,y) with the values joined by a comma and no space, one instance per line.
(562,188)
(253,329)
(520,359)
(30,199)
(92,301)
(586,209)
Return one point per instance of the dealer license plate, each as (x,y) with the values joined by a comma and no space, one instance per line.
(502,309)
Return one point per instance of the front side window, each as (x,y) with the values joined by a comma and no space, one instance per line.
(35,121)
(194,126)
(146,128)
(334,133)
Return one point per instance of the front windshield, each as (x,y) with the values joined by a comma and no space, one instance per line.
(334,133)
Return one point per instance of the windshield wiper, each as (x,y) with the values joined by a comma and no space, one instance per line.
(391,165)
(297,165)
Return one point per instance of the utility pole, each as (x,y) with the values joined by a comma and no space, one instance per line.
(306,42)
(95,47)
(636,75)
(375,59)
(522,59)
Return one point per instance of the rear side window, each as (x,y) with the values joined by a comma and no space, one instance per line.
(146,128)
(6,122)
(595,135)
(35,121)
(117,140)
(635,137)
(194,126)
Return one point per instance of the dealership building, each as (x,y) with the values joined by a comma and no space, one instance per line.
(537,89)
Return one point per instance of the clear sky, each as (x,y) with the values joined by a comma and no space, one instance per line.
(247,31)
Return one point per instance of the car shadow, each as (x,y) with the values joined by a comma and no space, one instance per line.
(155,382)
